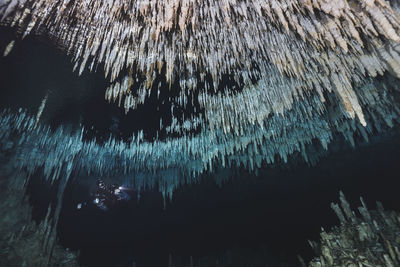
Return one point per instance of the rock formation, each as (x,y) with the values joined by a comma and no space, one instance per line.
(23,242)
(372,239)
(248,82)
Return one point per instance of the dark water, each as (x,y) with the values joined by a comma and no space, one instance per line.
(278,210)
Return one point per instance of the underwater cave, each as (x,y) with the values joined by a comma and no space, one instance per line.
(189,133)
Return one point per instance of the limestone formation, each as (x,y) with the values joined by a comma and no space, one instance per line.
(369,239)
(267,80)
(24,242)
(276,51)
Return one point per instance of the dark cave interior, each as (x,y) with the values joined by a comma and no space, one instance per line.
(278,210)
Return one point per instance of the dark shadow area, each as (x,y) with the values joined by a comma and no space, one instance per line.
(279,211)
(34,68)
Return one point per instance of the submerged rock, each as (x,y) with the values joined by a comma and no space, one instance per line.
(371,238)
(23,242)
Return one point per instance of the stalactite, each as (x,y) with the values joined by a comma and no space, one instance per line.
(297,71)
(291,49)
(41,108)
(174,161)
(8,49)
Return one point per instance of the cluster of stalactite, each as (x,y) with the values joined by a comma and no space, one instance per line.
(298,71)
(372,239)
(170,162)
(276,51)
